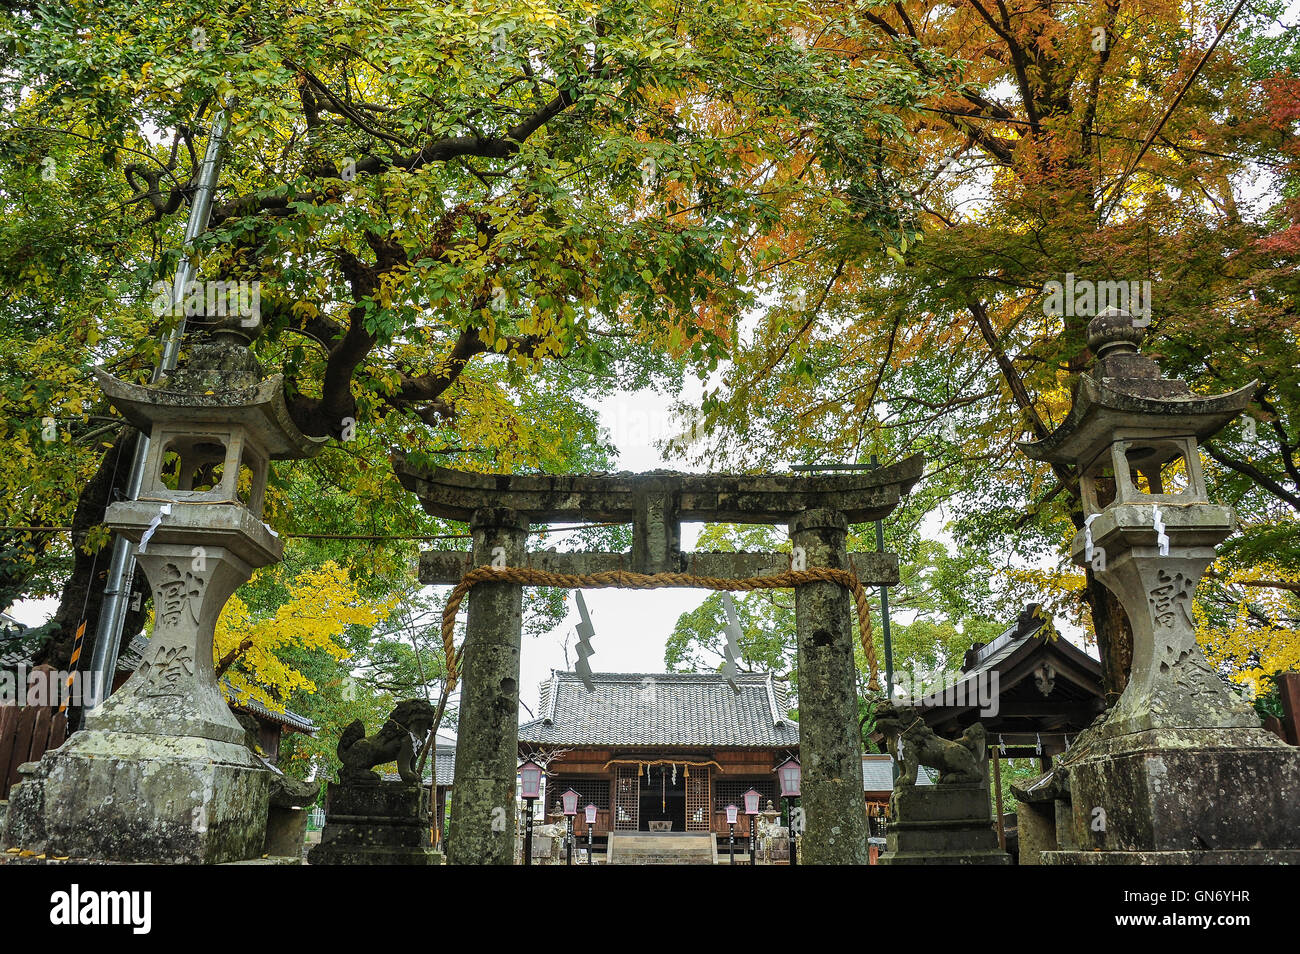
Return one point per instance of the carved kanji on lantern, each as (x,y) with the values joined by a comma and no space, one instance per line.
(163,673)
(177,595)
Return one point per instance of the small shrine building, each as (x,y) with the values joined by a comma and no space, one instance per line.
(660,751)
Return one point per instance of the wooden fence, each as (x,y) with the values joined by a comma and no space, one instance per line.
(26,733)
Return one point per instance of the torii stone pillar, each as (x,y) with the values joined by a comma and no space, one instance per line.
(818,510)
(482,827)
(831,786)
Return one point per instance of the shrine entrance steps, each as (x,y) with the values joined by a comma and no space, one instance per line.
(662,848)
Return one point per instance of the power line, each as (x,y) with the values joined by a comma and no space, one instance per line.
(356,536)
(1118,188)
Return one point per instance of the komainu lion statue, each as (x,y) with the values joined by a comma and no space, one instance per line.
(395,742)
(959,761)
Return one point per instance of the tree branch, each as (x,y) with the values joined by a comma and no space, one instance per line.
(1254,473)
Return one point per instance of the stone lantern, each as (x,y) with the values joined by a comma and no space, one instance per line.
(1179,763)
(160,771)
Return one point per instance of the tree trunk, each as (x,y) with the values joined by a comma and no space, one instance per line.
(1114,637)
(83,593)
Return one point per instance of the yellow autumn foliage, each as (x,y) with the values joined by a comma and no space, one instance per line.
(322,603)
(1248,648)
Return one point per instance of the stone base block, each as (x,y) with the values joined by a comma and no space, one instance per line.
(141,798)
(1205,791)
(375,823)
(396,803)
(285,830)
(942,825)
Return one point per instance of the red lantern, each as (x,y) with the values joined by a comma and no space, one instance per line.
(731,814)
(752,799)
(789,772)
(570,802)
(530,780)
(591,814)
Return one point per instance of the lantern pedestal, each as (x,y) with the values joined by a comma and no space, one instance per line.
(1170,684)
(1151,775)
(161,772)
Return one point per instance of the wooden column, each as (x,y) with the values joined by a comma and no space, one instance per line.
(482,826)
(1289,687)
(830,747)
(997,794)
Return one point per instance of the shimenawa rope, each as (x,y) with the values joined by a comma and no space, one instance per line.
(649,581)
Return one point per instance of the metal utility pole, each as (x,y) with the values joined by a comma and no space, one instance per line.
(112,614)
(884,590)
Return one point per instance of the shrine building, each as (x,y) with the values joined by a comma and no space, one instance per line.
(660,751)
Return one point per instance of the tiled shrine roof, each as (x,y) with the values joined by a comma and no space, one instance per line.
(662,709)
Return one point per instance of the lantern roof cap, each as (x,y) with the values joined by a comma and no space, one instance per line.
(257,406)
(220,382)
(1126,391)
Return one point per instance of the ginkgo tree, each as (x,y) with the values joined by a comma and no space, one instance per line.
(320,605)
(1248,622)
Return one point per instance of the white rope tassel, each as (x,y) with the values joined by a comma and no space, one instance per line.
(1162,538)
(1087,538)
(164,511)
(1002,746)
(1038,744)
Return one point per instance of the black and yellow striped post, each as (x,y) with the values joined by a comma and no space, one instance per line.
(72,667)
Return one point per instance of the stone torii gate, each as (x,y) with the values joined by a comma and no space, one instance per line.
(500,509)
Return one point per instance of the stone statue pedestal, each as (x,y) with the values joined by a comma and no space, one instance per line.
(375,823)
(942,825)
